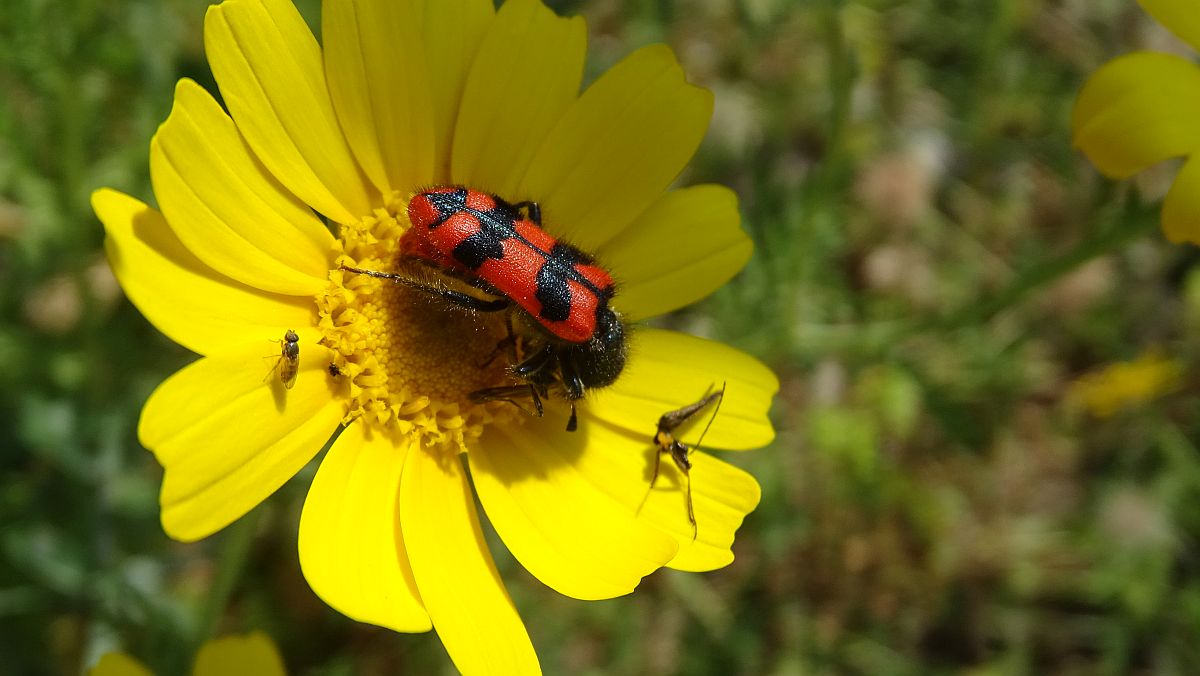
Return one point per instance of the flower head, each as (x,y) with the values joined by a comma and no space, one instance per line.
(403,96)
(1143,108)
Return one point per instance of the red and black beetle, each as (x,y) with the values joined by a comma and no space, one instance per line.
(554,289)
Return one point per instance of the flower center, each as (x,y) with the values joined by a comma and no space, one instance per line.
(410,360)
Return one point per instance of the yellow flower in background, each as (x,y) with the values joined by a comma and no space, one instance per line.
(1126,385)
(253,653)
(402,96)
(1143,108)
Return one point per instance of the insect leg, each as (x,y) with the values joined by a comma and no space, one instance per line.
(533,209)
(534,364)
(690,508)
(463,300)
(510,394)
(573,420)
(572,385)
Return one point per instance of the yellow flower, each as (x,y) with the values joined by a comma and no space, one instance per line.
(401,96)
(1126,384)
(254,653)
(1143,108)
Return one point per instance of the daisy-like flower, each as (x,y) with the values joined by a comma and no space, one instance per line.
(404,95)
(1143,108)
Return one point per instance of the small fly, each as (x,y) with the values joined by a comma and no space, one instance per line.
(289,359)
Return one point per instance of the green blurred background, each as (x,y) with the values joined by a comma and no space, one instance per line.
(935,267)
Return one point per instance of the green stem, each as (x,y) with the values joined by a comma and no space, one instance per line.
(873,339)
(1128,228)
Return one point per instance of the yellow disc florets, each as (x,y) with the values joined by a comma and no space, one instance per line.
(409,359)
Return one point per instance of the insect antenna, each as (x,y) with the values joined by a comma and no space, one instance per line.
(711,418)
(688,474)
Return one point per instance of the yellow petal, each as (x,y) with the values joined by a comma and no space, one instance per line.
(119,664)
(668,370)
(188,301)
(1180,16)
(375,62)
(684,247)
(526,74)
(452,32)
(268,66)
(227,432)
(560,526)
(621,462)
(1181,209)
(351,549)
(618,147)
(1137,110)
(253,653)
(455,574)
(226,209)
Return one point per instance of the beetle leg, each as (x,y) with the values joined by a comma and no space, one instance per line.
(506,344)
(533,209)
(511,394)
(534,364)
(463,300)
(573,420)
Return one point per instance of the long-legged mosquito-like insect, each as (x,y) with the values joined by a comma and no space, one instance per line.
(666,443)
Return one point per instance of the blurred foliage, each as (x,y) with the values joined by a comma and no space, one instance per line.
(935,268)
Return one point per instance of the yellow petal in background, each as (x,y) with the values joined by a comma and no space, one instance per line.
(226,209)
(618,147)
(188,301)
(1181,208)
(269,68)
(452,31)
(681,249)
(228,434)
(1180,16)
(351,548)
(564,529)
(375,62)
(526,74)
(119,664)
(1137,110)
(254,653)
(455,574)
(621,462)
(668,370)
